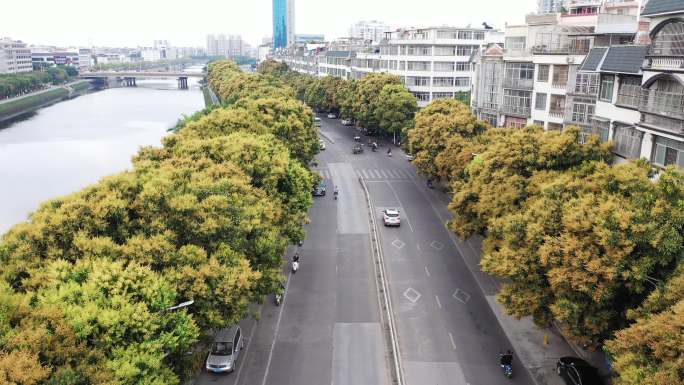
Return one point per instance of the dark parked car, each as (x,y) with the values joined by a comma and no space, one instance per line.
(319,190)
(576,371)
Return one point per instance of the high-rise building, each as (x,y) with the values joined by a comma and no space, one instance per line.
(373,30)
(550,6)
(15,57)
(223,45)
(283,23)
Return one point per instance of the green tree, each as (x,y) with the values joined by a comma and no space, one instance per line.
(395,109)
(367,98)
(444,124)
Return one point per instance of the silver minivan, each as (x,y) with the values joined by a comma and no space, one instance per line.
(225,350)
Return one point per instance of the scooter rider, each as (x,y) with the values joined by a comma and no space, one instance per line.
(389,152)
(336,192)
(506,359)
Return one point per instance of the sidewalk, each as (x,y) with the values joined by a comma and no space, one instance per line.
(527,340)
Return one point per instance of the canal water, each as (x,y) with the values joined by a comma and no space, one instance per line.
(69,145)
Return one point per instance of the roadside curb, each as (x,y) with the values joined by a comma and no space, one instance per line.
(385,302)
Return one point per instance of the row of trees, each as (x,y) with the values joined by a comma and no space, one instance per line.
(596,248)
(12,85)
(378,102)
(86,285)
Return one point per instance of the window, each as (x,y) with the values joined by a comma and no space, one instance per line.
(539,123)
(444,66)
(601,128)
(582,110)
(543,73)
(560,76)
(557,107)
(627,141)
(489,118)
(517,101)
(586,83)
(669,41)
(519,70)
(442,95)
(607,83)
(540,102)
(516,43)
(629,91)
(420,81)
(668,151)
(445,50)
(465,35)
(462,66)
(555,127)
(422,96)
(443,82)
(465,50)
(418,66)
(478,35)
(462,82)
(446,34)
(513,122)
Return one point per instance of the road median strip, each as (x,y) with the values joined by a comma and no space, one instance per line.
(383,291)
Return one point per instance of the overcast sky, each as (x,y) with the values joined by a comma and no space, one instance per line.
(186,23)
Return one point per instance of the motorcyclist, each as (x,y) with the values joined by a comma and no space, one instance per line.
(295,257)
(389,152)
(506,359)
(336,192)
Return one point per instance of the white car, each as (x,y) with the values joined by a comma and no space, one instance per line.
(321,144)
(347,122)
(332,115)
(317,121)
(390,217)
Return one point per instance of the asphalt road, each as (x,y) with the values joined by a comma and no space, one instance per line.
(328,332)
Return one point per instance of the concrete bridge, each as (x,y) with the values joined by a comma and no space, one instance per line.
(129,77)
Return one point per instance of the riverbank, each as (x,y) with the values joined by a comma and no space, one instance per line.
(12,108)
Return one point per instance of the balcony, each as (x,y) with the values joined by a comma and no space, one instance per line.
(521,111)
(517,83)
(675,126)
(558,114)
(667,104)
(664,63)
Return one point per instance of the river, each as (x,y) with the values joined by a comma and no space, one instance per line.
(69,145)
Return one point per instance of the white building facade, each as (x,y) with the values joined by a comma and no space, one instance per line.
(15,57)
(433,63)
(373,30)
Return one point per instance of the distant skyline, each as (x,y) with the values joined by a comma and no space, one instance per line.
(137,23)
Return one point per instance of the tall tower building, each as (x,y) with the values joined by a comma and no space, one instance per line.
(283,23)
(550,6)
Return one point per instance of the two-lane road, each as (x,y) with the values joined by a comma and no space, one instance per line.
(447,331)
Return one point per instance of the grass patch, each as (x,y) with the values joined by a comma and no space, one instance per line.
(27,103)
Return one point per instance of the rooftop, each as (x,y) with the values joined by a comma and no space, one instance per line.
(623,59)
(661,7)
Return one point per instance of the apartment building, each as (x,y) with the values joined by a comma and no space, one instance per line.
(536,78)
(15,57)
(433,63)
(662,99)
(373,31)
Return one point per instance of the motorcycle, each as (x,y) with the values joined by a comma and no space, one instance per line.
(295,267)
(429,184)
(278,299)
(506,363)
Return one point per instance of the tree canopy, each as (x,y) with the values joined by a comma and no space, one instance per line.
(86,284)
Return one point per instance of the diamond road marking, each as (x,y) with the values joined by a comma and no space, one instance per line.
(398,244)
(412,295)
(437,245)
(461,296)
